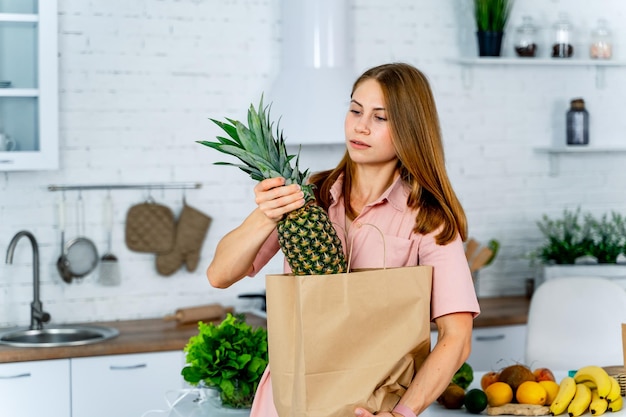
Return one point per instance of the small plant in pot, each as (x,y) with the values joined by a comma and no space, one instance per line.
(229,357)
(491,17)
(574,239)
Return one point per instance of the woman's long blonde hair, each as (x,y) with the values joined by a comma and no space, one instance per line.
(416,135)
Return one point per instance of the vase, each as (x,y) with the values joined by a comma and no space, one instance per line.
(209,401)
(489,43)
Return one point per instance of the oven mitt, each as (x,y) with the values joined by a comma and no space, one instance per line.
(191,230)
(150,227)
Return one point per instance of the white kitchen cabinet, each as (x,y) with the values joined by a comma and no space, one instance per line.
(28,85)
(37,388)
(124,385)
(495,347)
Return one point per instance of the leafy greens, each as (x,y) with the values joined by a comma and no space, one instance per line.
(230,357)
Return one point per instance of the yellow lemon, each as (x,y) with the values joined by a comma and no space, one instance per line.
(499,393)
(531,392)
(552,388)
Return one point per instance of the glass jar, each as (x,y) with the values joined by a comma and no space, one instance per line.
(601,42)
(562,45)
(525,38)
(577,119)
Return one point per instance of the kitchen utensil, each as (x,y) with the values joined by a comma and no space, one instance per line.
(205,313)
(470,248)
(62,262)
(519,410)
(480,259)
(109,265)
(81,252)
(150,227)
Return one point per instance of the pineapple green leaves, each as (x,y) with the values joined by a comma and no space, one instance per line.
(263,156)
(306,235)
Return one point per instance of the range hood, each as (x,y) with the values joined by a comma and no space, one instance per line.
(311,92)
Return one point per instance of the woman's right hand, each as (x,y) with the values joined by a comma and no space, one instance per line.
(275,199)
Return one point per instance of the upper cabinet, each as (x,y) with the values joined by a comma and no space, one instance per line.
(28,85)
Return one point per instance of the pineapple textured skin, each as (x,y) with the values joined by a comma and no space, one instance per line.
(310,242)
(306,235)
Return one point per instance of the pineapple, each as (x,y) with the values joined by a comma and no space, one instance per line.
(306,235)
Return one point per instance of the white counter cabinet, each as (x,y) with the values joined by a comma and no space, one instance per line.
(495,347)
(114,385)
(124,385)
(37,388)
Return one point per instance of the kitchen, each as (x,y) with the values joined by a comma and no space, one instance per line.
(138,82)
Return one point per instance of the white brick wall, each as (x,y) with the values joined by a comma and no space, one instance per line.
(140,79)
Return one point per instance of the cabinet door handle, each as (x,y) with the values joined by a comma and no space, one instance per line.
(490,338)
(128,367)
(24,375)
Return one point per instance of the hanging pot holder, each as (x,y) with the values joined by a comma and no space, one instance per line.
(150,227)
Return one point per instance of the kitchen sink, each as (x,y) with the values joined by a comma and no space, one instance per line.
(56,336)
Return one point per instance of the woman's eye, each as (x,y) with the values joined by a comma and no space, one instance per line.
(380,118)
(354,111)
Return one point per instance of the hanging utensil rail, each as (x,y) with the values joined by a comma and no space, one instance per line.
(161,186)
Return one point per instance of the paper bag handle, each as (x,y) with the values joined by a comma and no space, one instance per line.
(382,235)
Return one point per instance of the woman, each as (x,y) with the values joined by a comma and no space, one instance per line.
(392,175)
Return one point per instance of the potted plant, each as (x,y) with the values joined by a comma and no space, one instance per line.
(229,357)
(582,244)
(491,17)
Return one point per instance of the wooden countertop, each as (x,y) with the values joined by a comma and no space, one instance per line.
(136,336)
(158,335)
(502,311)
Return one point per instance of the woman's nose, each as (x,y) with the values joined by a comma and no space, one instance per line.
(361,127)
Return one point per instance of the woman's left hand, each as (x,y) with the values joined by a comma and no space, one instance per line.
(362,412)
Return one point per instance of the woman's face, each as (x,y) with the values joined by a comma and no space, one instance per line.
(367,131)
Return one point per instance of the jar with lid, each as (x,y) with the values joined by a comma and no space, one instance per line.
(577,123)
(562,45)
(601,43)
(525,38)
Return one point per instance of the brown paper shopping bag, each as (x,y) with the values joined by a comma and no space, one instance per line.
(346,340)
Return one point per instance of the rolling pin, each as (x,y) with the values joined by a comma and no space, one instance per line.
(206,313)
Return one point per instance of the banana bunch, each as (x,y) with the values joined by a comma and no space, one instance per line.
(591,388)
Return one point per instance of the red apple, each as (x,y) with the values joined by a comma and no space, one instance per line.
(543,374)
(488,378)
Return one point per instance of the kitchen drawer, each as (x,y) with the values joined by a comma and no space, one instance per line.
(124,385)
(494,347)
(37,388)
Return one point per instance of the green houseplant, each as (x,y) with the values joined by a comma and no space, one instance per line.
(491,17)
(229,357)
(576,235)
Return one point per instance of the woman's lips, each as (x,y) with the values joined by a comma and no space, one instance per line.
(358,144)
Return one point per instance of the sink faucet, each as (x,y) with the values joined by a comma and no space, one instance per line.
(37,315)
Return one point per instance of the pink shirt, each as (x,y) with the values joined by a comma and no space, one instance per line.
(452,290)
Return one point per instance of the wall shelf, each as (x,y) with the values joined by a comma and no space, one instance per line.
(599,65)
(19,92)
(556,151)
(18,17)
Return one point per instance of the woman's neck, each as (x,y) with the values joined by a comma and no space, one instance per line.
(370,184)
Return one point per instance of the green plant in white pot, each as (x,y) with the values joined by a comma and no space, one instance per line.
(230,357)
(583,245)
(572,237)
